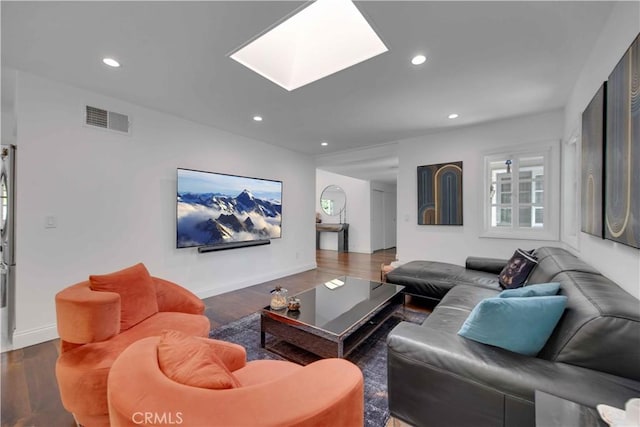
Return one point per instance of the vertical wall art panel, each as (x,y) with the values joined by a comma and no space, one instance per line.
(622,171)
(440,194)
(593,128)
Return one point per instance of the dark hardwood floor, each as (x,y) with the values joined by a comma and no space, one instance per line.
(28,388)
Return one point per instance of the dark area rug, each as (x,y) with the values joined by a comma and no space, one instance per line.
(370,356)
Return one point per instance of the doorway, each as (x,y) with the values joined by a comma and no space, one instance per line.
(383,219)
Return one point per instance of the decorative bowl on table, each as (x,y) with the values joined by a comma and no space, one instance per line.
(294,304)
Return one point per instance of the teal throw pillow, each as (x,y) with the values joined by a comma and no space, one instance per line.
(521,325)
(539,290)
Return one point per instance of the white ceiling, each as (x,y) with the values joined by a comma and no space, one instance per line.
(486,61)
(379,163)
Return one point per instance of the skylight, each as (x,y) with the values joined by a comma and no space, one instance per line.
(322,39)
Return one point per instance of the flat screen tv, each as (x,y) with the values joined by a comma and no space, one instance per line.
(214,209)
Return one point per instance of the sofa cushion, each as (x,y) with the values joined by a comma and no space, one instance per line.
(515,273)
(521,325)
(553,261)
(190,361)
(477,278)
(453,310)
(433,280)
(137,292)
(539,290)
(424,278)
(600,328)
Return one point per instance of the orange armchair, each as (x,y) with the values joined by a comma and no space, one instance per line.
(271,392)
(89,325)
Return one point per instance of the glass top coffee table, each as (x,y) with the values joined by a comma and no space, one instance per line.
(334,317)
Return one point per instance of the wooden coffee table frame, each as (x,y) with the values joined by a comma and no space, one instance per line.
(321,342)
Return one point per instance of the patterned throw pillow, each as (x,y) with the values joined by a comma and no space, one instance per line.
(515,273)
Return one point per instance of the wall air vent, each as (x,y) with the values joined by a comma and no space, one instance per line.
(106,119)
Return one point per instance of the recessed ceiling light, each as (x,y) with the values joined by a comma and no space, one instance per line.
(257,118)
(323,38)
(111,62)
(418,59)
(453,116)
(324,143)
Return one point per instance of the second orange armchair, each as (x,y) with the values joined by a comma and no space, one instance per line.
(146,389)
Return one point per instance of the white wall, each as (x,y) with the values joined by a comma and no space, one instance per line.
(454,243)
(114,199)
(358,211)
(8,95)
(618,262)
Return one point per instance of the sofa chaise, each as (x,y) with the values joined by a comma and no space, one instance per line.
(436,377)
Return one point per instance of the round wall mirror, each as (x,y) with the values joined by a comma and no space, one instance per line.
(333,200)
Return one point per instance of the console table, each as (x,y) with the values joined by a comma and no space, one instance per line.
(341,229)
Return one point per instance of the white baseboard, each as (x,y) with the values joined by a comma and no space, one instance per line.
(362,250)
(234,286)
(351,249)
(32,336)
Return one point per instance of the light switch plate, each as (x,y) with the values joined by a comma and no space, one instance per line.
(50,221)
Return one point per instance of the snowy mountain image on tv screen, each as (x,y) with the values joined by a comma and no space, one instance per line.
(216,208)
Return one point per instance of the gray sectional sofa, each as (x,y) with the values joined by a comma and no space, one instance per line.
(437,378)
